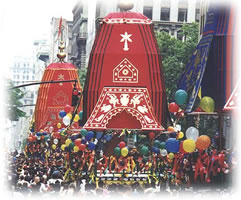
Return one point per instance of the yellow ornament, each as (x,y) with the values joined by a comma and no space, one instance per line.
(171,155)
(180,135)
(63,147)
(69,115)
(124,152)
(54,146)
(59,125)
(76,118)
(189,145)
(76,149)
(67,142)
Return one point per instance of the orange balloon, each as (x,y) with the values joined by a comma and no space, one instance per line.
(203,142)
(171,129)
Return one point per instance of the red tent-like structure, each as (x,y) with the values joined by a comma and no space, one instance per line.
(53,97)
(124,86)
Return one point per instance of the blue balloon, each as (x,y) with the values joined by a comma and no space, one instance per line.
(83,141)
(90,134)
(91,146)
(108,137)
(39,134)
(99,135)
(172,145)
(180,97)
(155,150)
(74,137)
(62,113)
(173,135)
(45,133)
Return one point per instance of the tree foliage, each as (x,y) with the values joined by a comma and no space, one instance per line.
(14,103)
(82,76)
(175,55)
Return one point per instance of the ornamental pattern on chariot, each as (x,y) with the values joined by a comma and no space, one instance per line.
(125,72)
(114,100)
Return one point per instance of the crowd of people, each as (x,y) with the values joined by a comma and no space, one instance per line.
(42,170)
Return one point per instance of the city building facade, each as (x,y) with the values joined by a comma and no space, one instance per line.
(167,15)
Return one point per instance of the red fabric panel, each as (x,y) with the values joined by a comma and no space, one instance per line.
(125,119)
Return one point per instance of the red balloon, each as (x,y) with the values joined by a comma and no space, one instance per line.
(173,107)
(151,135)
(30,139)
(199,109)
(122,144)
(67,108)
(77,142)
(75,92)
(82,147)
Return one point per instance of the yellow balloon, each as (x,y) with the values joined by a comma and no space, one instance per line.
(69,115)
(189,145)
(180,135)
(171,155)
(59,125)
(53,146)
(68,141)
(207,104)
(124,152)
(76,148)
(76,118)
(63,147)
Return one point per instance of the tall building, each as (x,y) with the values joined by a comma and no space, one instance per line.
(167,15)
(66,36)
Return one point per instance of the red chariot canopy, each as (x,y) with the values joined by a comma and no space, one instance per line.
(125,54)
(52,98)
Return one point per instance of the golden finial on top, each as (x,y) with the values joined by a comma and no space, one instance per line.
(61,54)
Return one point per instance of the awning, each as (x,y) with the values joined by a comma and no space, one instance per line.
(114,100)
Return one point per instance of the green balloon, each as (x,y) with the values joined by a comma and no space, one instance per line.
(83,132)
(71,145)
(81,114)
(207,104)
(157,144)
(117,151)
(144,150)
(162,145)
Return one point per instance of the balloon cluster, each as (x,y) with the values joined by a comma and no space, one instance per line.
(194,141)
(66,116)
(180,99)
(121,149)
(79,142)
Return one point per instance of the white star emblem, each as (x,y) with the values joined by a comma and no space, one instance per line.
(126,38)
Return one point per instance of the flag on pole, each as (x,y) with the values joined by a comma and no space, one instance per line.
(60,25)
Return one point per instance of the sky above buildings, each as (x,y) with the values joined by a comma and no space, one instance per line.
(24,21)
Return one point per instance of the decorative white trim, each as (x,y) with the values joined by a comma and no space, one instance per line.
(127,21)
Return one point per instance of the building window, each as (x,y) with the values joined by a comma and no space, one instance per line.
(23,77)
(165,14)
(147,11)
(27,77)
(32,77)
(180,35)
(182,14)
(197,15)
(31,111)
(17,76)
(165,30)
